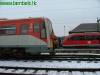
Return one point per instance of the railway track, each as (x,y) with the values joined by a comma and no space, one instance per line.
(58,56)
(49,67)
(78,50)
(59,64)
(73,53)
(46,71)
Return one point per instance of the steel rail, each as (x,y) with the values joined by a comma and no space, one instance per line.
(55,69)
(76,49)
(84,57)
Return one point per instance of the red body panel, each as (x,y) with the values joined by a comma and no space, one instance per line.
(82,42)
(29,22)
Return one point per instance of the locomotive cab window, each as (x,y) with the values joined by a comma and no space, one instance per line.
(43,31)
(7,30)
(24,29)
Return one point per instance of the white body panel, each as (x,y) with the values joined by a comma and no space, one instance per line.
(31,43)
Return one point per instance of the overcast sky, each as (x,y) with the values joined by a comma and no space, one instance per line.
(68,13)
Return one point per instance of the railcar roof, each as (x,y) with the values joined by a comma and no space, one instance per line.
(30,18)
(91,33)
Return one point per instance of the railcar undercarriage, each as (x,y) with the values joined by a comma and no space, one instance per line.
(10,52)
(20,52)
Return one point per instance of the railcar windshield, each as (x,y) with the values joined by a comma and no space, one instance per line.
(51,28)
(7,30)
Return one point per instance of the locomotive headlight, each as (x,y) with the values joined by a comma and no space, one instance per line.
(89,42)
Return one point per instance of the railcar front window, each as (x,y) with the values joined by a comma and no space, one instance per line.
(7,30)
(24,29)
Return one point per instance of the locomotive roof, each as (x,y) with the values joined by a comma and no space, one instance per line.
(86,27)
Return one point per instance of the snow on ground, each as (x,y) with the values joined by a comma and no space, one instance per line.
(52,64)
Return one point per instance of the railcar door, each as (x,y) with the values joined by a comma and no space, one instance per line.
(36,29)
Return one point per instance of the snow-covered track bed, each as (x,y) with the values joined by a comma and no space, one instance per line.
(49,67)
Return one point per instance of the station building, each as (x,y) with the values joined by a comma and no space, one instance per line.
(86,27)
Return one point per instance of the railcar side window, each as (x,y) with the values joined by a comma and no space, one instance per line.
(89,37)
(74,38)
(43,31)
(24,29)
(77,38)
(7,30)
(36,27)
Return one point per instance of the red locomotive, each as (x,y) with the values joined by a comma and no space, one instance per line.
(30,35)
(82,40)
